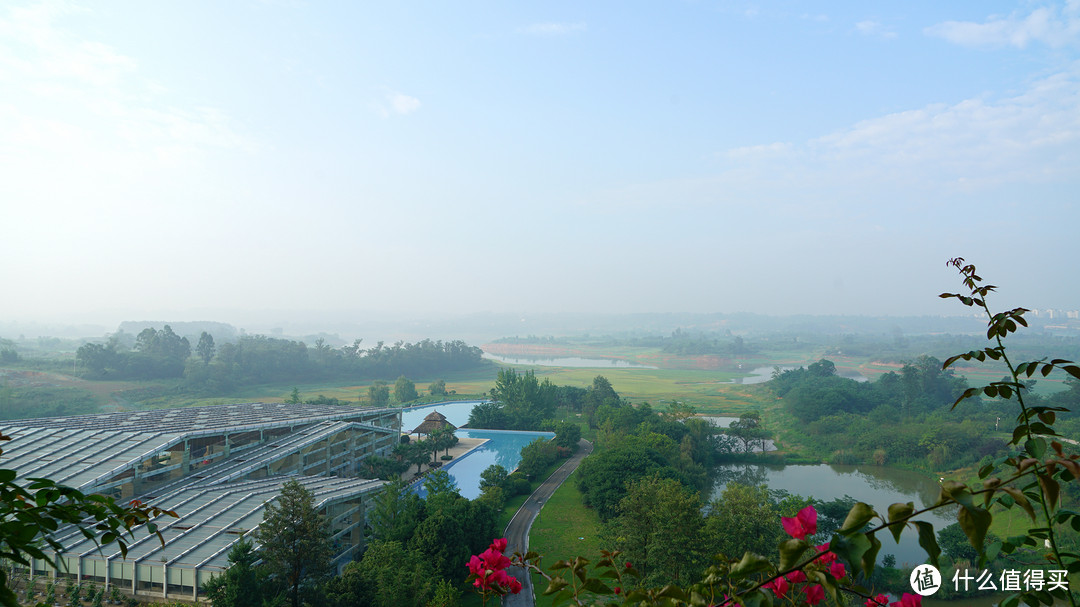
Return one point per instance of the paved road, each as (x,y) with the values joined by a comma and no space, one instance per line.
(517,532)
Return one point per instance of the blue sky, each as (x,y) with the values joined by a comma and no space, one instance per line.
(208,160)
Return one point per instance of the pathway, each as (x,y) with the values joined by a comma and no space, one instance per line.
(517,532)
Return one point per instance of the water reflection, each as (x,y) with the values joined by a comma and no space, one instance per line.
(875,485)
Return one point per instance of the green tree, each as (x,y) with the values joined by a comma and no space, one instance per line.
(379,394)
(493,476)
(205,348)
(389,575)
(294,397)
(567,435)
(239,585)
(437,388)
(658,528)
(749,431)
(446,595)
(488,415)
(441,490)
(536,457)
(743,519)
(295,542)
(396,512)
(405,390)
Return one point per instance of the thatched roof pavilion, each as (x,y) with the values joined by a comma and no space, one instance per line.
(433,421)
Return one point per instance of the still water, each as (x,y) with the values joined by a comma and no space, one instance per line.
(568,361)
(875,485)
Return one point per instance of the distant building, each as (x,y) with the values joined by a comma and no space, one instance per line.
(217,467)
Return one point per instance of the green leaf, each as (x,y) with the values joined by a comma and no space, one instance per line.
(790,551)
(1035,447)
(751,563)
(556,584)
(851,548)
(1050,488)
(975,522)
(928,541)
(860,514)
(899,512)
(869,558)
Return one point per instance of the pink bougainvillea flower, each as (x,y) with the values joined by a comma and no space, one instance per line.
(828,557)
(908,600)
(515,585)
(837,570)
(779,586)
(493,559)
(499,544)
(880,600)
(802,524)
(814,594)
(795,577)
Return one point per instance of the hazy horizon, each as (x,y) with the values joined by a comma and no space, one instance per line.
(397,162)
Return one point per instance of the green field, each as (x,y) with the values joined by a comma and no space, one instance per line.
(564,528)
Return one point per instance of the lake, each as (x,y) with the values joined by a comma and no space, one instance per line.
(567,361)
(875,485)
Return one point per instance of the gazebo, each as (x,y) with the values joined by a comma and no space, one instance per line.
(433,421)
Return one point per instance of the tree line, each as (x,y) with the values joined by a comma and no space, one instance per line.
(210,367)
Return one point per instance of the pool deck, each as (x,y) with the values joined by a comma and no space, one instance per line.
(464,447)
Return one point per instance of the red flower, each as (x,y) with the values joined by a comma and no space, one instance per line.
(908,600)
(814,594)
(837,570)
(628,565)
(618,590)
(779,586)
(795,577)
(878,601)
(803,524)
(489,569)
(828,557)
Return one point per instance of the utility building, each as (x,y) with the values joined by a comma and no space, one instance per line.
(217,467)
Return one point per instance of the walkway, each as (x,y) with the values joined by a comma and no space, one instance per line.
(517,532)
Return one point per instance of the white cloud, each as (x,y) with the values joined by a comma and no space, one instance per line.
(553,29)
(760,151)
(1028,138)
(394,103)
(874,28)
(60,85)
(980,146)
(1052,25)
(404,104)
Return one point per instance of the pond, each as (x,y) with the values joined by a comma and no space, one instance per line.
(568,361)
(503,447)
(760,375)
(876,485)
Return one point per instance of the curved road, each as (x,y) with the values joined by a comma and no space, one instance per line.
(517,532)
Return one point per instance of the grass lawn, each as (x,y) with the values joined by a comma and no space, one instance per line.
(564,529)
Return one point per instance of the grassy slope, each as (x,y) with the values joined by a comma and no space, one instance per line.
(564,528)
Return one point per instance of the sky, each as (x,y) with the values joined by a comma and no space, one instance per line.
(205,160)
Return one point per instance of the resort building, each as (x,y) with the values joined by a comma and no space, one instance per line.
(216,467)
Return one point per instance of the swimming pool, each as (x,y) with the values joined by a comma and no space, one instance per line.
(503,447)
